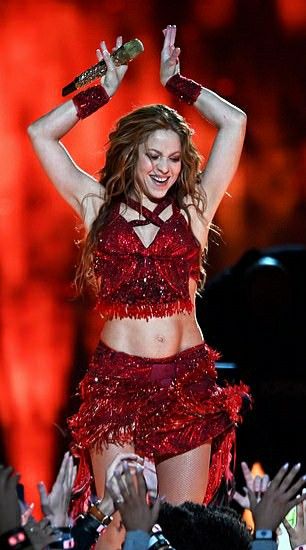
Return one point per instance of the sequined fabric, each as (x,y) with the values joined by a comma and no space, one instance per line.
(141,282)
(165,407)
(184,88)
(90,100)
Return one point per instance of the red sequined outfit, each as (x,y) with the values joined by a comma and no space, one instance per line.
(165,406)
(143,282)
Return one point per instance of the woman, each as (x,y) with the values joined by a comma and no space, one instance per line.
(151,384)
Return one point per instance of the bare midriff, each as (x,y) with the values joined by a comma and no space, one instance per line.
(155,337)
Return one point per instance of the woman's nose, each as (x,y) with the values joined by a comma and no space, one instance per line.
(162,165)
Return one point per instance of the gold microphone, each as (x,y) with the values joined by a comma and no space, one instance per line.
(122,56)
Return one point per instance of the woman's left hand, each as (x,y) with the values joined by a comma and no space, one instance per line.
(169,61)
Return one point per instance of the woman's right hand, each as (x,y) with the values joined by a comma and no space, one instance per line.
(114,75)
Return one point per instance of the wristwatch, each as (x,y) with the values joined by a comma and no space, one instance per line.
(95,512)
(265,534)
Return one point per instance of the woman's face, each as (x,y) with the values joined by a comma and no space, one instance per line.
(159,162)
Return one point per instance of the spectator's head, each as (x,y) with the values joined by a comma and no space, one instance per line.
(193,527)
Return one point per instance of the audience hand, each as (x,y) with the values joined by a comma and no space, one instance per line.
(256,484)
(40,533)
(9,507)
(131,500)
(55,504)
(106,505)
(297,534)
(278,499)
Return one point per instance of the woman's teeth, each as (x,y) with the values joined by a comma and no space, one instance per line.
(159,181)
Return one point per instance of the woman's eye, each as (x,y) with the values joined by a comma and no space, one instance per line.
(152,157)
(177,159)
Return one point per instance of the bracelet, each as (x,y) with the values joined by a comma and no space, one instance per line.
(95,512)
(14,539)
(90,100)
(264,534)
(65,540)
(157,540)
(184,88)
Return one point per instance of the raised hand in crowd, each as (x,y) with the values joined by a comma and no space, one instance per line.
(130,498)
(10,517)
(55,504)
(297,534)
(256,484)
(278,499)
(41,533)
(111,490)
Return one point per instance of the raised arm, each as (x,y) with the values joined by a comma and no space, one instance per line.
(45,133)
(228,119)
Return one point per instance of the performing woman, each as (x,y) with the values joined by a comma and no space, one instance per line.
(151,384)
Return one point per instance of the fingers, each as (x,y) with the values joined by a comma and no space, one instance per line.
(118,462)
(63,469)
(276,481)
(287,480)
(99,54)
(242,500)
(118,42)
(42,493)
(169,34)
(142,488)
(70,474)
(106,57)
(265,483)
(296,487)
(128,489)
(155,510)
(74,473)
(288,526)
(247,474)
(252,499)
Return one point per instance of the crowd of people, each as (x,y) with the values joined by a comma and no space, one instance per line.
(149,521)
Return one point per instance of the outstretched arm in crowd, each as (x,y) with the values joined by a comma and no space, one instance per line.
(88,528)
(276,502)
(138,515)
(55,505)
(297,534)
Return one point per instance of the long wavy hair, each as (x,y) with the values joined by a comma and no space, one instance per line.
(117,177)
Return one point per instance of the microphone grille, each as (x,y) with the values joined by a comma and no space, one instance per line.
(128,51)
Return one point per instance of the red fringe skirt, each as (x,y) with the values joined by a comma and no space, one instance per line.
(164,407)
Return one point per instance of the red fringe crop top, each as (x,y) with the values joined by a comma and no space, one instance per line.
(139,281)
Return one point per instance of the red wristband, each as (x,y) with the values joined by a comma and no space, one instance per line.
(184,88)
(90,100)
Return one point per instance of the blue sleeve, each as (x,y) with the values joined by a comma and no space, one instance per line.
(264,545)
(136,540)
